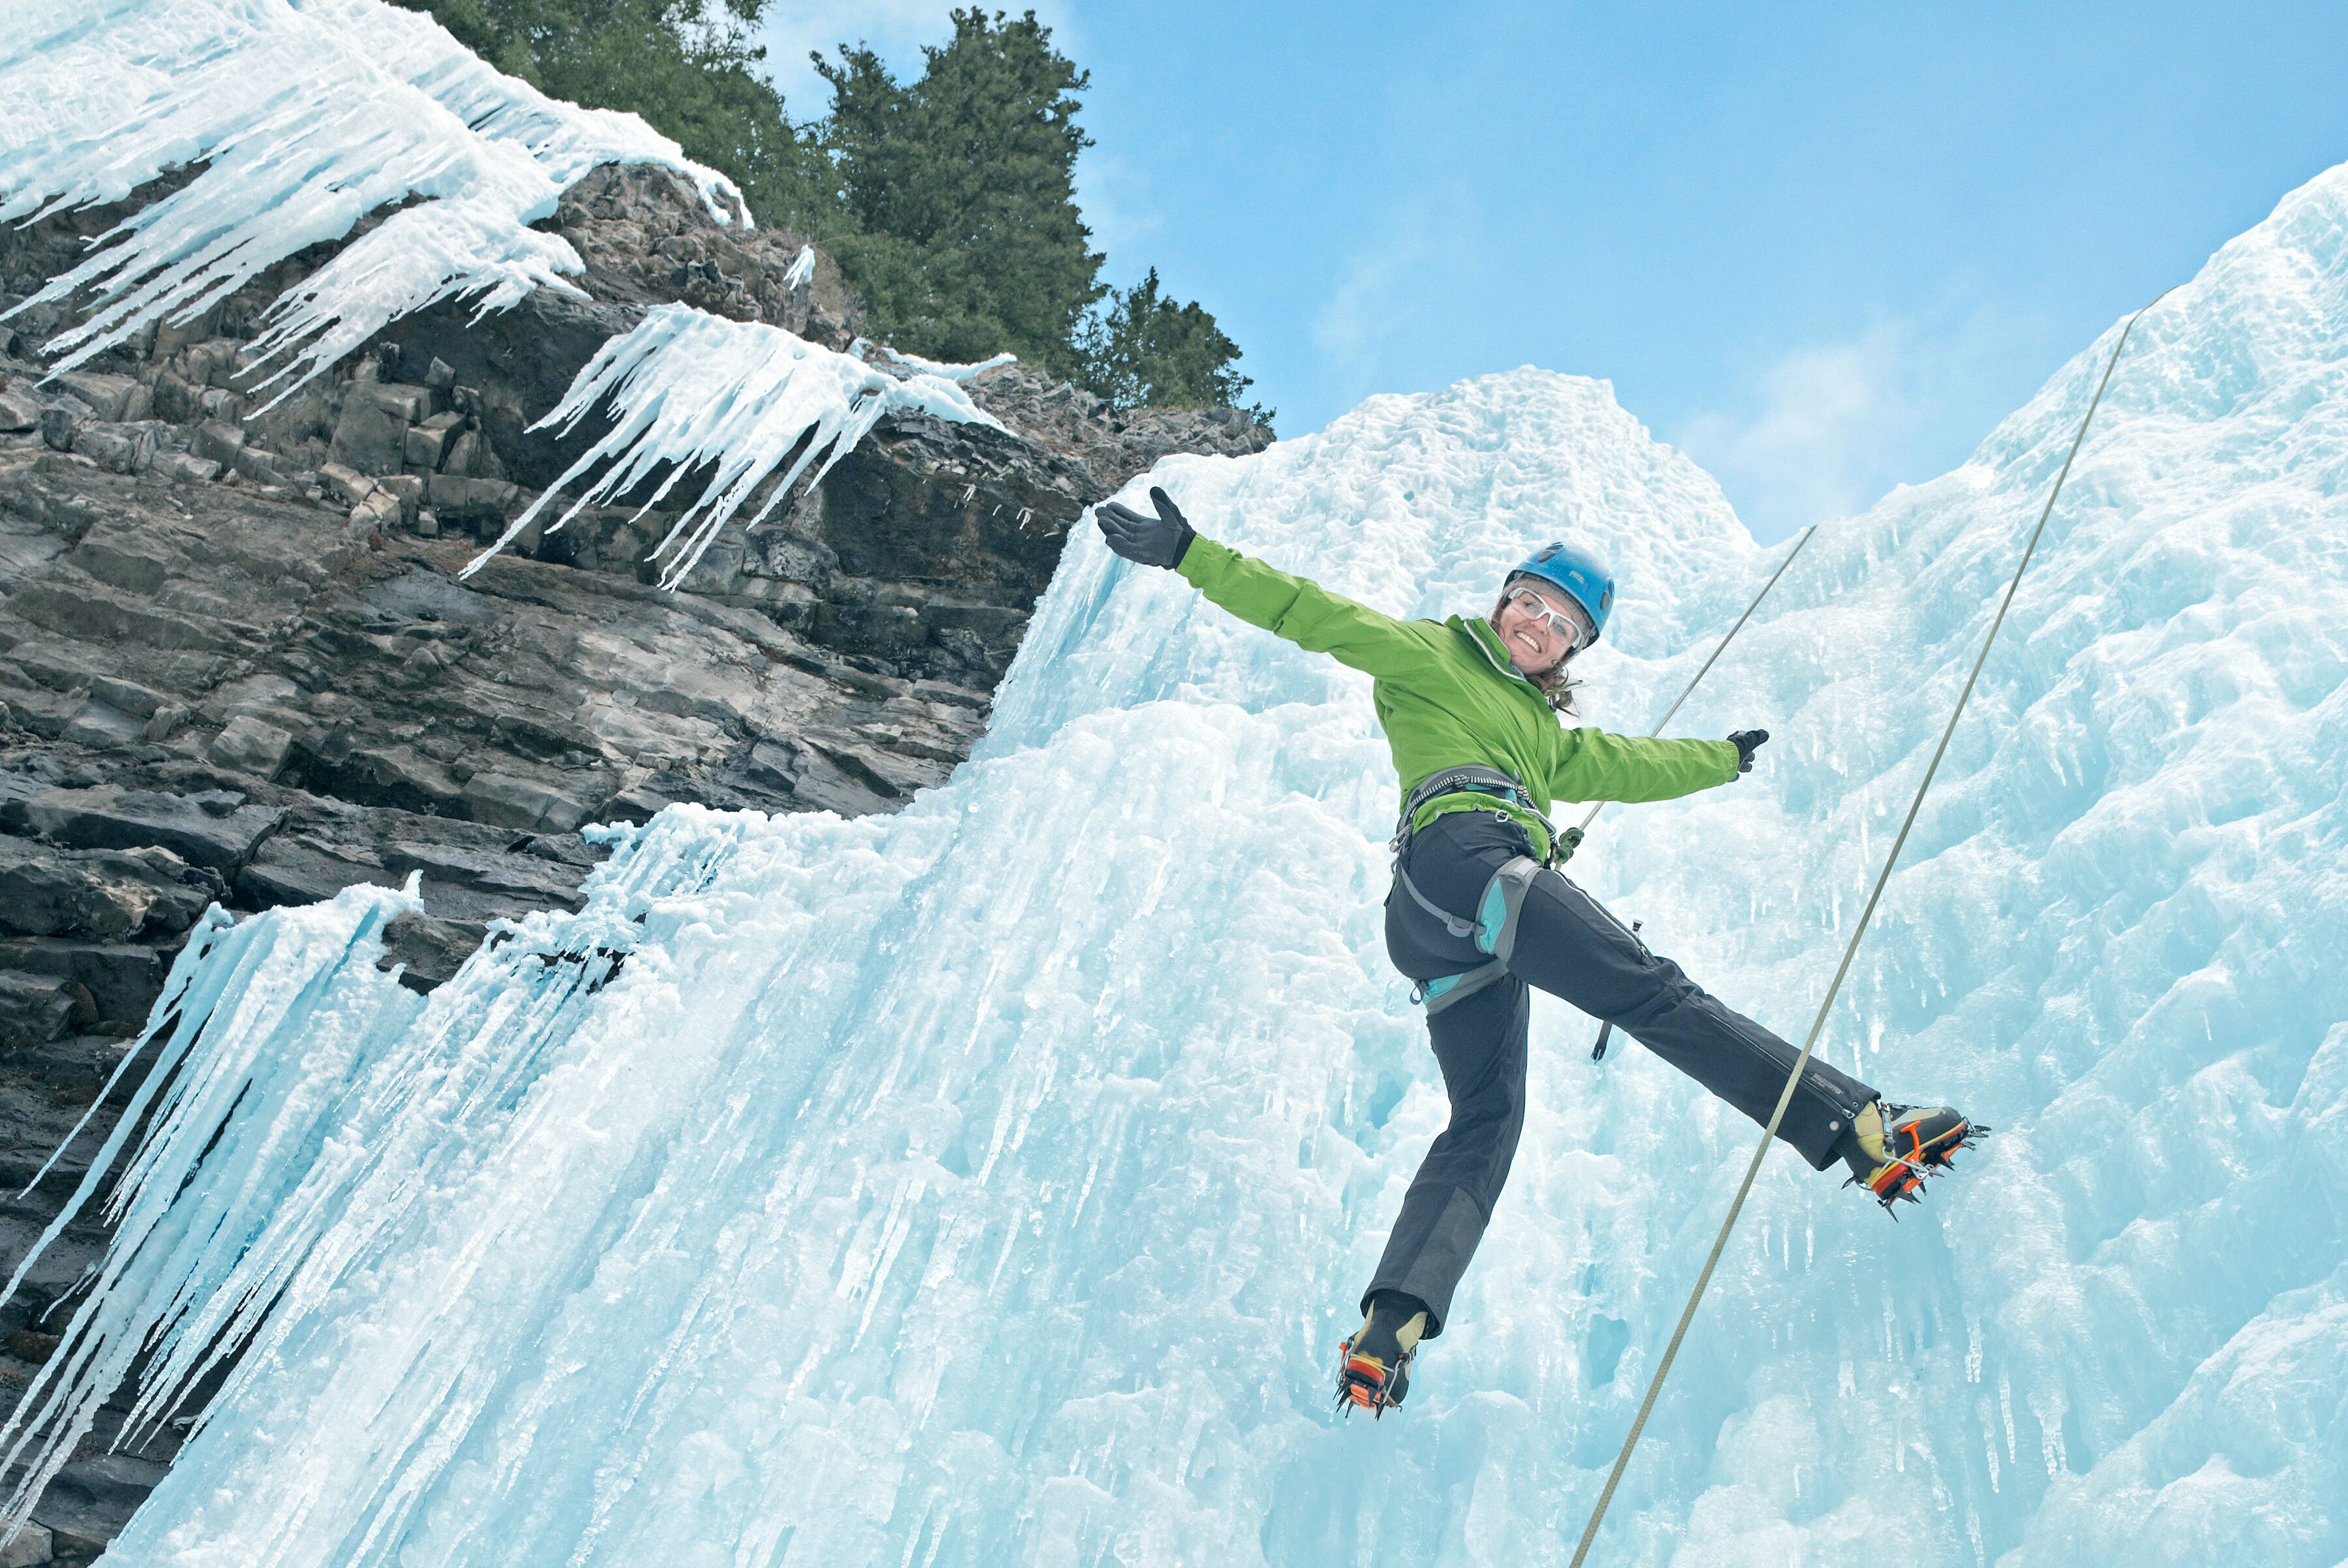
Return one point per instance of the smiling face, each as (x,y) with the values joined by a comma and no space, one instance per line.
(1531,619)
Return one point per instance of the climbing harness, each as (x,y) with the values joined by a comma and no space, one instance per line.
(1572,840)
(1850,950)
(1494,929)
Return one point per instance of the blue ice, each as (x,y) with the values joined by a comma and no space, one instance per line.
(992,1182)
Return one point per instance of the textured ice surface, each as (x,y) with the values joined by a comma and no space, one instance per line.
(308,116)
(688,388)
(992,1182)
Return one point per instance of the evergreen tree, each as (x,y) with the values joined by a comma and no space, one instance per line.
(949,200)
(961,190)
(1145,351)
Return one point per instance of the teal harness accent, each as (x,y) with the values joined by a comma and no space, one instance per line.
(1494,929)
(1496,934)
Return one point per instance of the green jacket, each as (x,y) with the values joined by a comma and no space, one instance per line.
(1449,697)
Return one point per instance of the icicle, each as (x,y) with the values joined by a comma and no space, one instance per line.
(190,1274)
(306,119)
(687,387)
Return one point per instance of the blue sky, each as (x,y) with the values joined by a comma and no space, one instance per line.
(1822,247)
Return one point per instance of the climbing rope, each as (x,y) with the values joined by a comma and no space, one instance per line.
(1571,838)
(1818,1025)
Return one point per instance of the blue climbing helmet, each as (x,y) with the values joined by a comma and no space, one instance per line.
(1579,574)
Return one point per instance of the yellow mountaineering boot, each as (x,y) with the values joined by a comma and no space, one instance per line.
(1374,1366)
(1890,1149)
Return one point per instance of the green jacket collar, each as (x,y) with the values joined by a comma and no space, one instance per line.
(1487,642)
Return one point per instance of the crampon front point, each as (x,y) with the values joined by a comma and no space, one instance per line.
(1364,1382)
(1916,1143)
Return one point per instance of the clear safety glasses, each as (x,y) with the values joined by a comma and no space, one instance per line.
(1571,627)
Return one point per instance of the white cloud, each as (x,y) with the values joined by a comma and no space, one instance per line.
(1829,427)
(1113,192)
(1380,289)
(1824,440)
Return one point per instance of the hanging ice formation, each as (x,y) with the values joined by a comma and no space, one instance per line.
(688,389)
(308,116)
(990,1183)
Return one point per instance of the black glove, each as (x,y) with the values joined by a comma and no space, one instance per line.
(1151,541)
(1748,742)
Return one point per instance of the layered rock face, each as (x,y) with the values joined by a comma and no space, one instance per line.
(237,664)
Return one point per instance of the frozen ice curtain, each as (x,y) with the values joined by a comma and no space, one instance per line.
(987,1183)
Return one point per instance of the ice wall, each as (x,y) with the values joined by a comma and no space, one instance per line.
(299,117)
(992,1182)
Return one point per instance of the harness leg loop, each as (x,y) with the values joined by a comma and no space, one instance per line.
(1494,930)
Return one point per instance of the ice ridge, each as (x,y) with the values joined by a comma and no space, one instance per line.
(306,117)
(990,1182)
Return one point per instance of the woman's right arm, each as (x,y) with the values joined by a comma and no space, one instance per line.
(1303,611)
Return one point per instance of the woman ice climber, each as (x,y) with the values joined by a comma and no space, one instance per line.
(1470,707)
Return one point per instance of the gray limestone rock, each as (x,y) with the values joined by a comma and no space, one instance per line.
(108,817)
(100,725)
(429,443)
(120,978)
(372,434)
(37,1008)
(180,466)
(48,892)
(128,696)
(248,745)
(108,397)
(30,1547)
(507,800)
(348,486)
(219,441)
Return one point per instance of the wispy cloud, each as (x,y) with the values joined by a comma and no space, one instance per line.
(1380,291)
(1829,427)
(1114,192)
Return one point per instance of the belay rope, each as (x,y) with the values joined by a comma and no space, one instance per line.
(1570,840)
(1671,1351)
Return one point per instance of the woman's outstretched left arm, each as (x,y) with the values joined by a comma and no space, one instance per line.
(1591,765)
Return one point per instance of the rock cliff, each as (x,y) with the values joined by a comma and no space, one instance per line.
(237,663)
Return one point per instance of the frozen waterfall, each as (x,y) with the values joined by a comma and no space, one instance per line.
(992,1182)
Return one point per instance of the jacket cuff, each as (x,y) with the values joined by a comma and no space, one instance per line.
(1201,559)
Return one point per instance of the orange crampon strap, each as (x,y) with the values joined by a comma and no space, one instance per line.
(1362,1382)
(1902,1175)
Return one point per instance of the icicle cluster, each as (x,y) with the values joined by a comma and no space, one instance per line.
(688,388)
(270,1040)
(305,115)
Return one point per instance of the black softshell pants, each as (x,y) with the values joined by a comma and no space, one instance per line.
(1570,947)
